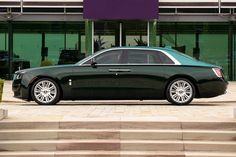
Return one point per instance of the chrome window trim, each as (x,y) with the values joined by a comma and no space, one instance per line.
(176,62)
(85,65)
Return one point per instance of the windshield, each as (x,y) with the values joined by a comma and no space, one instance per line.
(83,60)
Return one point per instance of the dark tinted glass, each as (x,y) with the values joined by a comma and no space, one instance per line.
(165,59)
(110,57)
(147,57)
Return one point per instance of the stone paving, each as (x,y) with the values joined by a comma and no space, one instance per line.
(213,109)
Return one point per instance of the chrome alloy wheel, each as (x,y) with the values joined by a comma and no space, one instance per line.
(45,91)
(181,91)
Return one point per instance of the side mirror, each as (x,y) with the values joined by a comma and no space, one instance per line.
(94,64)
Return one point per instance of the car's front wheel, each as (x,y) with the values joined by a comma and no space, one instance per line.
(180,91)
(45,92)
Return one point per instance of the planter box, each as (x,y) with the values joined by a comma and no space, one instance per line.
(3,114)
(1,89)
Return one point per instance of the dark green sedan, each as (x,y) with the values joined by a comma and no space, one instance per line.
(123,73)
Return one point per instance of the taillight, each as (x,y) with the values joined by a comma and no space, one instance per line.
(218,72)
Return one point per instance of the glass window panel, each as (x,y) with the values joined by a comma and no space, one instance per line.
(83,44)
(75,41)
(72,41)
(28,37)
(55,44)
(4,68)
(214,49)
(106,35)
(134,33)
(103,42)
(233,66)
(27,49)
(135,40)
(168,40)
(212,40)
(3,41)
(187,40)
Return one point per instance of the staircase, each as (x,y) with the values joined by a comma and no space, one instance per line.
(117,139)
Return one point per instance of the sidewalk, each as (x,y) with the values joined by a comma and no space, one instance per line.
(214,109)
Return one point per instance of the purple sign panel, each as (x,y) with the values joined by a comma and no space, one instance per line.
(120,9)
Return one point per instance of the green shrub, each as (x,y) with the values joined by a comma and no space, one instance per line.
(46,62)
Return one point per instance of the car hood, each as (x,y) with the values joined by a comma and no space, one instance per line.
(43,68)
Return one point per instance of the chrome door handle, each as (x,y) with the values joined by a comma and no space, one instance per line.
(119,70)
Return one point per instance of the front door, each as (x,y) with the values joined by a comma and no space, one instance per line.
(99,81)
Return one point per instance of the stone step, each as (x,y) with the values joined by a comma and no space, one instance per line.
(28,125)
(88,124)
(209,125)
(209,135)
(115,145)
(102,124)
(108,145)
(199,135)
(210,154)
(27,154)
(116,154)
(94,154)
(221,146)
(90,134)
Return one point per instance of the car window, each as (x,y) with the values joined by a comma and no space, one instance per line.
(136,57)
(165,59)
(109,57)
(147,57)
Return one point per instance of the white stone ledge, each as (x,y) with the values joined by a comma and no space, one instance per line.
(234,110)
(3,114)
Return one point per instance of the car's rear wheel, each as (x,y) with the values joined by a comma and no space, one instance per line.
(45,91)
(180,91)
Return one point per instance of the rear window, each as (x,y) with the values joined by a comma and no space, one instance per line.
(147,57)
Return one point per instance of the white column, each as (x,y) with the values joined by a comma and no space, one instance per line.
(148,43)
(92,37)
(120,34)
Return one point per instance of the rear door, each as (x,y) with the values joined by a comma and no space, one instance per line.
(146,75)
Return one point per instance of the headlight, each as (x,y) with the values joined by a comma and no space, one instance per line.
(18,76)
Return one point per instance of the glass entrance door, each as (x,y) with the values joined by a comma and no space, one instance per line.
(109,34)
(4,53)
(106,35)
(234,54)
(134,33)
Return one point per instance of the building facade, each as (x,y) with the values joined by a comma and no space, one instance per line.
(34,30)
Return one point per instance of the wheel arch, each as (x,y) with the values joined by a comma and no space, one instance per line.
(40,77)
(190,78)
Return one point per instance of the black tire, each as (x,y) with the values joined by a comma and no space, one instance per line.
(183,96)
(42,95)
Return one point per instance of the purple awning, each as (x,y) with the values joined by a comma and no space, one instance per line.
(121,9)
